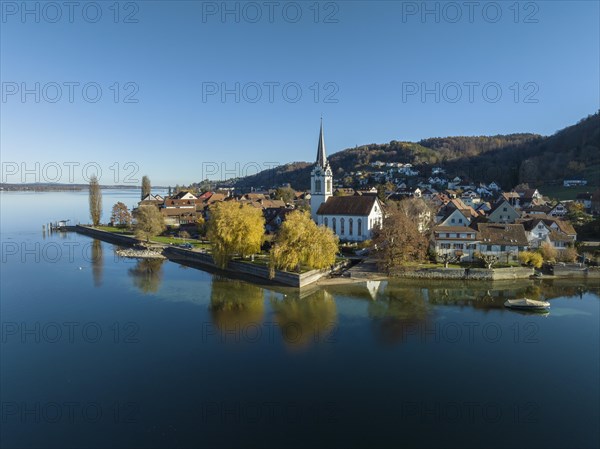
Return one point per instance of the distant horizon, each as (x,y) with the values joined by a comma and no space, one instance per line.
(329,153)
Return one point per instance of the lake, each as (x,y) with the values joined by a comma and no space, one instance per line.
(100,351)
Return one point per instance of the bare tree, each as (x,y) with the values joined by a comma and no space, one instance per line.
(95,198)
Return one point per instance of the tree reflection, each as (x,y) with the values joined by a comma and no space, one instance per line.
(302,321)
(147,275)
(97,262)
(400,313)
(235,305)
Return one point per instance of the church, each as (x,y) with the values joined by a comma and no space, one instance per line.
(351,218)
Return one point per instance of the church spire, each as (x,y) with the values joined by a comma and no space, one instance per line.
(321,156)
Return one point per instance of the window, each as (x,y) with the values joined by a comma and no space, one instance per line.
(360,229)
(445,245)
(350,227)
(317,186)
(326,222)
(328,186)
(453,220)
(333,225)
(505,209)
(342,223)
(488,247)
(471,246)
(502,247)
(460,220)
(458,246)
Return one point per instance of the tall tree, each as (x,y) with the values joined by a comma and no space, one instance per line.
(120,215)
(95,199)
(301,242)
(235,228)
(398,241)
(149,222)
(146,186)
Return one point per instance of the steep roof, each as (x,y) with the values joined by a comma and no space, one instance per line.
(348,205)
(321,155)
(564,226)
(502,234)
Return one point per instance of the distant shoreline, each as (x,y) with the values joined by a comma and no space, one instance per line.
(34,187)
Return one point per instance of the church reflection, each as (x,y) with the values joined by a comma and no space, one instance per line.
(147,275)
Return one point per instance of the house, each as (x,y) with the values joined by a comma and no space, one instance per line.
(513,198)
(527,196)
(585,199)
(537,209)
(502,240)
(180,208)
(447,215)
(351,218)
(458,241)
(560,233)
(470,198)
(494,186)
(150,199)
(574,182)
(559,210)
(503,212)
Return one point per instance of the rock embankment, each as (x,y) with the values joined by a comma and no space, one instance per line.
(140,253)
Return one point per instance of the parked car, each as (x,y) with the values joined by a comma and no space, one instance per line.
(186,245)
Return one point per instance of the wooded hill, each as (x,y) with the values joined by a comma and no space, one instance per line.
(573,152)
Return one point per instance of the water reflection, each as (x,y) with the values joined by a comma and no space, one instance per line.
(235,305)
(147,275)
(398,310)
(97,262)
(305,320)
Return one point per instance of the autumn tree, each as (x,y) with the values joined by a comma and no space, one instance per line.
(95,198)
(300,242)
(531,258)
(419,210)
(149,222)
(234,229)
(286,194)
(568,254)
(548,252)
(398,241)
(146,186)
(120,215)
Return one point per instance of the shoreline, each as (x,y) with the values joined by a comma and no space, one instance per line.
(362,272)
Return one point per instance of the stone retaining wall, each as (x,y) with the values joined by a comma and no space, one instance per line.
(480,274)
(575,270)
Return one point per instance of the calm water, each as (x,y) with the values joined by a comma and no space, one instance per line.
(99,351)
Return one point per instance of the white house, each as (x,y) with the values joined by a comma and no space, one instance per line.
(351,218)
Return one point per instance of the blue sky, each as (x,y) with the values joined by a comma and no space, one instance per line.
(362,65)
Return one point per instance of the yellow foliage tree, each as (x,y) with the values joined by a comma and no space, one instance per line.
(531,258)
(301,242)
(234,228)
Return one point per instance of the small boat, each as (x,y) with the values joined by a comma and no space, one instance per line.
(527,304)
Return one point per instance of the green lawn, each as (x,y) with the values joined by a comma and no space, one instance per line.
(562,193)
(178,241)
(115,230)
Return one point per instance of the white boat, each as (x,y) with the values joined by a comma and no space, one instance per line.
(527,304)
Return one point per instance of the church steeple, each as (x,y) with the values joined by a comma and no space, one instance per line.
(321,178)
(321,155)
